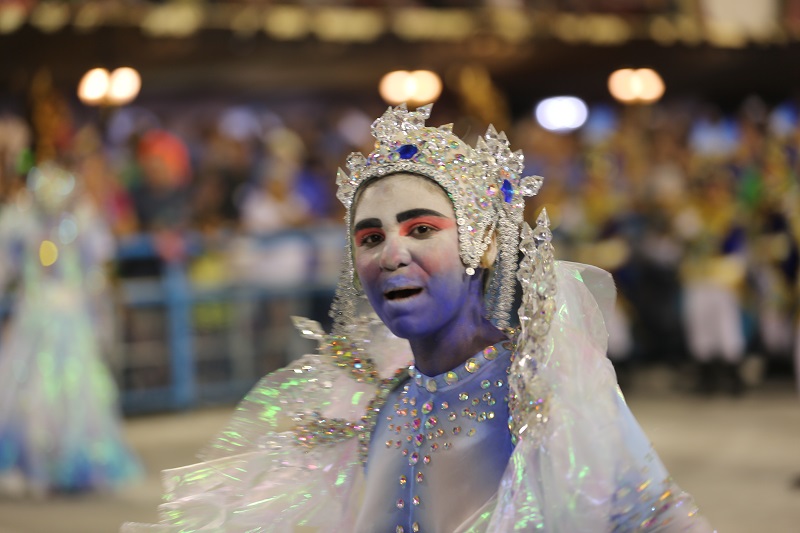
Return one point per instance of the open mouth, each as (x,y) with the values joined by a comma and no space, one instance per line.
(400,294)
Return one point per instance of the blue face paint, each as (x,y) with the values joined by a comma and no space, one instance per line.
(407,258)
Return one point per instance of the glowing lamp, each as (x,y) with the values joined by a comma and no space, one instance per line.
(98,87)
(561,113)
(93,86)
(636,86)
(124,86)
(417,87)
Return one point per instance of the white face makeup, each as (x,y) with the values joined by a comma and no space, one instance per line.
(407,255)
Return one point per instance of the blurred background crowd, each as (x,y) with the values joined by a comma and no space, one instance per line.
(168,202)
(216,175)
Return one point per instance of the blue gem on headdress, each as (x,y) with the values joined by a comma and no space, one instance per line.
(508,191)
(407,151)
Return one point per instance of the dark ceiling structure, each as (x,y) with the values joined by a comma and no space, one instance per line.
(545,56)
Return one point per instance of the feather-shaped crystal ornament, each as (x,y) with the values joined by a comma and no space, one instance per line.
(529,395)
(310,329)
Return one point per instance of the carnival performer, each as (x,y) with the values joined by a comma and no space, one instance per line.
(713,274)
(425,410)
(59,424)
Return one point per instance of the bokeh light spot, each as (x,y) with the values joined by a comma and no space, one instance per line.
(93,86)
(48,253)
(124,86)
(561,113)
(416,87)
(636,86)
(67,230)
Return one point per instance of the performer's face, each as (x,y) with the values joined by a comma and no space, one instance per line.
(407,256)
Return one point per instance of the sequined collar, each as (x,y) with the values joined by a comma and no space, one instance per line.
(461,372)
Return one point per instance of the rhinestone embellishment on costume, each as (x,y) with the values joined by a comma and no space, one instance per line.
(407,151)
(471,366)
(427,427)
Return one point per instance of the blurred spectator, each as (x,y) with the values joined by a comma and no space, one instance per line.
(775,258)
(713,275)
(225,173)
(275,204)
(161,195)
(15,139)
(101,184)
(622,193)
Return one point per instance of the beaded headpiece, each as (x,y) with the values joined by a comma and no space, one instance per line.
(485,184)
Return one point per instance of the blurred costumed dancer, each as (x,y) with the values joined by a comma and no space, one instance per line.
(435,415)
(713,273)
(59,425)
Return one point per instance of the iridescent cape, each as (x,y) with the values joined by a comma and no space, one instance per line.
(60,427)
(291,457)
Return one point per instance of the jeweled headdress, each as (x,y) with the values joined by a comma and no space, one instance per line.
(485,184)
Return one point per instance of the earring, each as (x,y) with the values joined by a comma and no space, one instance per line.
(470,271)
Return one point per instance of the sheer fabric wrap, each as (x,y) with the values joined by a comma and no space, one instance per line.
(586,467)
(589,467)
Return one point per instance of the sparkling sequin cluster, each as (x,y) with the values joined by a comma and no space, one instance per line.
(485,184)
(348,355)
(471,365)
(529,394)
(345,352)
(320,431)
(414,526)
(374,407)
(418,440)
(317,430)
(422,428)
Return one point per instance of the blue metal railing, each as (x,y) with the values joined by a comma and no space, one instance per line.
(175,293)
(162,372)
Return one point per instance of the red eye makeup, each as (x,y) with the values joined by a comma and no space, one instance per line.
(362,236)
(434,222)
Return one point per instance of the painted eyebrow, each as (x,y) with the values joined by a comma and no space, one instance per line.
(368,223)
(416,213)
